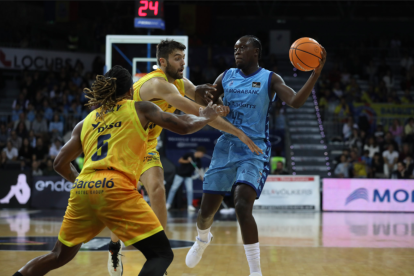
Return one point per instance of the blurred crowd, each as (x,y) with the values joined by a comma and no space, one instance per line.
(44,113)
(372,149)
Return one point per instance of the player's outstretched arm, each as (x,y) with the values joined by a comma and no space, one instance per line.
(204,96)
(69,152)
(181,124)
(203,93)
(288,95)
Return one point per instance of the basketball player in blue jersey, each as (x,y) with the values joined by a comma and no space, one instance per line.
(248,90)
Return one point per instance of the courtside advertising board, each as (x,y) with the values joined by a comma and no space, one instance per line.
(290,192)
(378,195)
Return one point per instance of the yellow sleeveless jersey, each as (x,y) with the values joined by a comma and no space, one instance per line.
(117,144)
(154,130)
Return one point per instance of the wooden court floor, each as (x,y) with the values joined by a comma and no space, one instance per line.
(292,244)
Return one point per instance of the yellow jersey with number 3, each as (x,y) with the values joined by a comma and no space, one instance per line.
(154,130)
(119,143)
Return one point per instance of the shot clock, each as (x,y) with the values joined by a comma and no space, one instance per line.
(149,14)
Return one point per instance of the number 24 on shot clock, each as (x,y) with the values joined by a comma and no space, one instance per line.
(149,9)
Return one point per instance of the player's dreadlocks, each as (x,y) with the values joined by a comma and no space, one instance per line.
(109,89)
(256,43)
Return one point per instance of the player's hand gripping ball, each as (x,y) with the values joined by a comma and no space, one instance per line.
(305,54)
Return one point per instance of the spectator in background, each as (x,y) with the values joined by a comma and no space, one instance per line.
(3,136)
(16,112)
(11,152)
(342,110)
(3,159)
(48,111)
(409,164)
(342,169)
(366,159)
(337,90)
(22,118)
(406,151)
(354,140)
(31,114)
(49,170)
(39,126)
(32,139)
(36,171)
(188,164)
(55,149)
(21,101)
(280,170)
(345,76)
(390,160)
(409,131)
(40,151)
(359,169)
(397,131)
(379,133)
(26,152)
(15,140)
(21,130)
(347,128)
(388,139)
(400,172)
(371,147)
(54,92)
(377,166)
(56,127)
(389,81)
(405,63)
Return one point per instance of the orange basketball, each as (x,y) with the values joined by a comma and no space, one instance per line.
(305,53)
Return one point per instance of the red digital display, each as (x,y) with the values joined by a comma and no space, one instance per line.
(149,9)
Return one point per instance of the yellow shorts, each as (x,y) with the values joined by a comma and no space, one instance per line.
(152,159)
(107,198)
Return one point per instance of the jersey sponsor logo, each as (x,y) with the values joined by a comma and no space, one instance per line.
(239,104)
(241,91)
(231,83)
(98,184)
(256,84)
(95,125)
(112,125)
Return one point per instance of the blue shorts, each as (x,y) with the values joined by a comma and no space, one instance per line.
(233,163)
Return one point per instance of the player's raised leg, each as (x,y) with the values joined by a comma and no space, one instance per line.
(244,197)
(59,256)
(210,203)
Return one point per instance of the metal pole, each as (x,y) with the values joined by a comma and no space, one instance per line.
(149,53)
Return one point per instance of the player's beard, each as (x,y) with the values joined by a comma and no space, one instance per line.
(172,73)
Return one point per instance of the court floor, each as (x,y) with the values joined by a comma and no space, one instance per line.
(292,244)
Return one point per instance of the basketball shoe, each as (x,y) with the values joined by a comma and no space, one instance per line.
(196,251)
(256,274)
(115,267)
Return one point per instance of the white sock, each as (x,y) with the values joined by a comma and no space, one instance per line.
(203,234)
(253,257)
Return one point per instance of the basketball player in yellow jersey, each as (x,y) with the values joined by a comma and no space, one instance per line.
(114,141)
